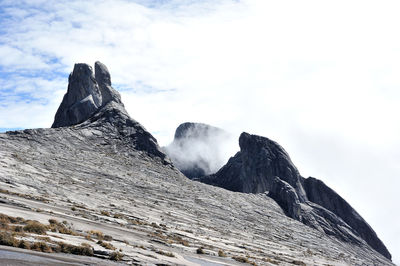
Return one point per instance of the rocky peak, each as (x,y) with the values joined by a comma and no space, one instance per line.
(198,149)
(91,102)
(87,93)
(262,165)
(253,169)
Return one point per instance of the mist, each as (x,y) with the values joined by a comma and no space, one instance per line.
(199,149)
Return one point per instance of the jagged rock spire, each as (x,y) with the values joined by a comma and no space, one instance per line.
(91,102)
(87,93)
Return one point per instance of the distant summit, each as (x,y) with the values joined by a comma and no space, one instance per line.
(262,165)
(198,149)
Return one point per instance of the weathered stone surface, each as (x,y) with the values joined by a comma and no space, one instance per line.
(324,196)
(82,99)
(253,169)
(263,165)
(285,195)
(198,149)
(103,78)
(110,164)
(91,102)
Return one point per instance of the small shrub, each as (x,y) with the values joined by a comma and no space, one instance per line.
(116,256)
(200,250)
(24,244)
(35,227)
(18,229)
(106,245)
(108,238)
(221,253)
(98,234)
(105,213)
(7,239)
(155,225)
(297,262)
(41,246)
(53,221)
(118,216)
(85,250)
(241,259)
(168,254)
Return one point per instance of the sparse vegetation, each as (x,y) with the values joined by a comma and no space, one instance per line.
(106,245)
(8,240)
(221,253)
(99,235)
(26,196)
(298,262)
(105,213)
(85,250)
(35,227)
(168,254)
(41,246)
(241,259)
(116,256)
(200,250)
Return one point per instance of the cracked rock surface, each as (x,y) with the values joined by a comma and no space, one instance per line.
(262,165)
(108,174)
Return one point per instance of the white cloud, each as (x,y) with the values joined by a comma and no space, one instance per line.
(320,78)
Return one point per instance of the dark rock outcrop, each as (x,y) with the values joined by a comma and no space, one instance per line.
(92,102)
(198,149)
(319,193)
(262,165)
(253,169)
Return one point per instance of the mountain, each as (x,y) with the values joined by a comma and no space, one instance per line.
(263,165)
(98,184)
(198,149)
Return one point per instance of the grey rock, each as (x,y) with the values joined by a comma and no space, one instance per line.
(324,196)
(197,149)
(285,195)
(91,102)
(109,162)
(82,99)
(103,78)
(262,165)
(253,169)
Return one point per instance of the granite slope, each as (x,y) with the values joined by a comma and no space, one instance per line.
(262,165)
(107,173)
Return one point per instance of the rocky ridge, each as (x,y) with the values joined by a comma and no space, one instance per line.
(107,173)
(262,165)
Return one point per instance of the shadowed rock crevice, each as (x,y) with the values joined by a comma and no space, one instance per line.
(262,165)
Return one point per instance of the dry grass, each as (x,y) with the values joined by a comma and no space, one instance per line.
(116,256)
(35,227)
(106,245)
(221,253)
(105,213)
(164,253)
(241,259)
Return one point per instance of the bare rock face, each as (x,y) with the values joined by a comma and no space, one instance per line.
(91,102)
(262,165)
(86,94)
(321,194)
(198,149)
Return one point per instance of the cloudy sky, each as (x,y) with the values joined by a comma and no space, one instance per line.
(321,78)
